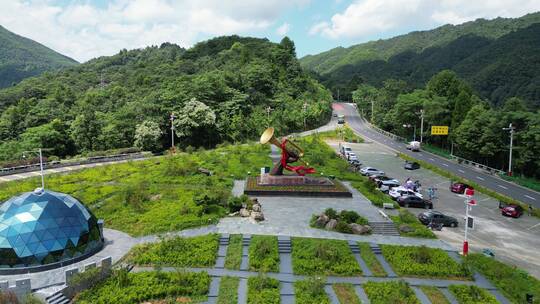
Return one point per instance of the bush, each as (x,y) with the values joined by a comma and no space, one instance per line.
(323,257)
(331,213)
(472,295)
(263,290)
(311,291)
(343,227)
(390,292)
(349,216)
(235,203)
(263,253)
(419,230)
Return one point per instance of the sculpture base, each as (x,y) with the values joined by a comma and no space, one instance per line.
(293,185)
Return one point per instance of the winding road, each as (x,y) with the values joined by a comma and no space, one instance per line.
(486,180)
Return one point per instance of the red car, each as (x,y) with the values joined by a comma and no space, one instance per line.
(512,211)
(459,187)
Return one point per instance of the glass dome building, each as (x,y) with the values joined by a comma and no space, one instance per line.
(44,227)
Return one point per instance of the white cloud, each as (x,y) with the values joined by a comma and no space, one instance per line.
(283,29)
(84,31)
(367,17)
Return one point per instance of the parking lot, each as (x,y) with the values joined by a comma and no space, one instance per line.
(514,240)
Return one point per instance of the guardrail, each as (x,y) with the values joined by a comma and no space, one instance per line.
(488,169)
(391,135)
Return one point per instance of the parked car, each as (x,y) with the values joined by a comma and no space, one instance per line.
(414,201)
(351,156)
(512,210)
(344,150)
(411,165)
(341,119)
(373,177)
(335,114)
(385,186)
(384,178)
(413,146)
(402,191)
(459,187)
(438,218)
(370,170)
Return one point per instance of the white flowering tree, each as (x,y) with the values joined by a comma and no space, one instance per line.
(194,118)
(148,135)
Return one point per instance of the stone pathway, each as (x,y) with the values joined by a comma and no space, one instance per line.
(380,257)
(361,294)
(285,259)
(222,250)
(331,294)
(356,252)
(214,290)
(242,291)
(286,293)
(449,295)
(246,239)
(420,295)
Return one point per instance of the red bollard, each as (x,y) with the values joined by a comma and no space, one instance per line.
(465,248)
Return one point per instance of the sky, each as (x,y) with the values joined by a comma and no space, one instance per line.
(85,29)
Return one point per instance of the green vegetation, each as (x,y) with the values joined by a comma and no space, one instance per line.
(233,259)
(311,291)
(346,294)
(199,251)
(323,257)
(160,194)
(127,288)
(421,261)
(513,282)
(390,292)
(406,221)
(218,89)
(21,57)
(369,257)
(472,294)
(344,219)
(263,253)
(345,133)
(263,290)
(434,295)
(11,298)
(370,191)
(530,183)
(228,290)
(436,150)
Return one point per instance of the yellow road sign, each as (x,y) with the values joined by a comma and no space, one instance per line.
(439,130)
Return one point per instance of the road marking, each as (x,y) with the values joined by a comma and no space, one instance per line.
(431,159)
(502,186)
(461,171)
(446,165)
(530,197)
(4,179)
(479,178)
(533,226)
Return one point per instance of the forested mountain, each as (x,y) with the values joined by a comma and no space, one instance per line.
(21,57)
(219,90)
(498,57)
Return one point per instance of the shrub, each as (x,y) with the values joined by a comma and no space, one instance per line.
(472,294)
(263,290)
(323,257)
(418,229)
(343,227)
(331,213)
(263,253)
(349,216)
(390,292)
(311,291)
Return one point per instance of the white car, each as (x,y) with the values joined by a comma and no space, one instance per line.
(351,156)
(402,191)
(413,146)
(386,186)
(370,170)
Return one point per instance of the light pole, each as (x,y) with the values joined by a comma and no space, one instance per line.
(304,110)
(414,126)
(421,124)
(268,109)
(512,129)
(372,107)
(171,118)
(40,164)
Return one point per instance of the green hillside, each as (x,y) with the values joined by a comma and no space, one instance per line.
(417,56)
(219,90)
(21,58)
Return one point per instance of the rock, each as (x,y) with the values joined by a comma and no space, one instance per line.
(331,224)
(258,216)
(257,207)
(244,212)
(360,229)
(156,197)
(404,228)
(234,213)
(322,220)
(204,171)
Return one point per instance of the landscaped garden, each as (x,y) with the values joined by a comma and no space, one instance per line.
(263,253)
(263,290)
(311,291)
(409,225)
(371,261)
(233,259)
(323,257)
(434,295)
(466,294)
(228,290)
(421,261)
(390,292)
(157,195)
(127,288)
(345,222)
(200,251)
(345,293)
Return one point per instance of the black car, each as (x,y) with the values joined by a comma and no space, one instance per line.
(411,165)
(414,201)
(437,217)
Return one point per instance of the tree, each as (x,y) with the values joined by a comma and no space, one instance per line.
(364,96)
(195,118)
(148,135)
(85,130)
(52,136)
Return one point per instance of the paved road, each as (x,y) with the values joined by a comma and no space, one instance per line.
(486,180)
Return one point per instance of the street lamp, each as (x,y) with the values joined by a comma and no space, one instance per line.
(38,151)
(304,111)
(421,124)
(268,109)
(408,126)
(511,129)
(172,118)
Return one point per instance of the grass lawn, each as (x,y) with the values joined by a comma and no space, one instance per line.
(514,283)
(311,291)
(127,288)
(233,259)
(199,251)
(434,295)
(228,290)
(155,195)
(472,294)
(421,261)
(323,257)
(346,133)
(419,230)
(390,292)
(346,293)
(369,257)
(263,253)
(263,290)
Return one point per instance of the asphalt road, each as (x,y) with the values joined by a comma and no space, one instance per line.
(486,180)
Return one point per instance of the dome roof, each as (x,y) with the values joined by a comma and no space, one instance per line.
(44,227)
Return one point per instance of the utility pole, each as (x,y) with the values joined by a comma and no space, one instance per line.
(338,95)
(40,153)
(372,113)
(304,110)
(268,109)
(421,124)
(171,118)
(512,129)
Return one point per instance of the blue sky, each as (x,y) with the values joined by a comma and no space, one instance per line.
(84,29)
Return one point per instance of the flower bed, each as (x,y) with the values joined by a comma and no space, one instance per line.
(200,251)
(344,222)
(434,295)
(346,293)
(421,261)
(323,257)
(263,290)
(263,253)
(335,190)
(311,291)
(472,295)
(228,290)
(233,259)
(390,292)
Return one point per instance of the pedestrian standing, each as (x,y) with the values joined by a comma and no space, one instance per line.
(530,209)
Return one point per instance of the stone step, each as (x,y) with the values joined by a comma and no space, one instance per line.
(384,228)
(354,247)
(57,298)
(375,248)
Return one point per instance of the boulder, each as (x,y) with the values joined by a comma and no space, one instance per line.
(360,229)
(404,228)
(244,212)
(258,216)
(204,171)
(322,220)
(331,224)
(257,207)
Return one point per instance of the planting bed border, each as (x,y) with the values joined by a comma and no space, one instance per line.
(294,190)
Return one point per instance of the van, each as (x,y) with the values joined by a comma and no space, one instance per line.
(414,146)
